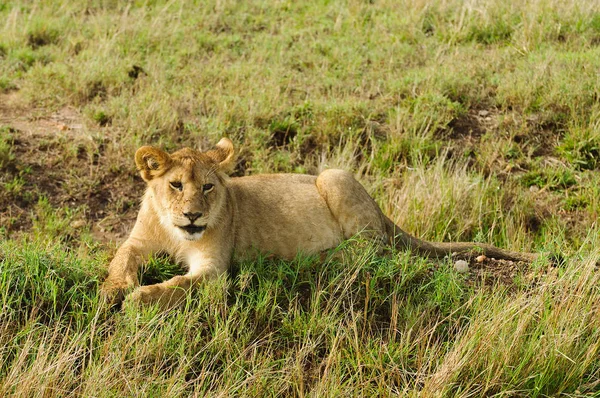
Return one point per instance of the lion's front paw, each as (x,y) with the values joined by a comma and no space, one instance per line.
(146,294)
(113,293)
(165,297)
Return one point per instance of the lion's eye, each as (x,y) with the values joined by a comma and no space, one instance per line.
(176,185)
(207,188)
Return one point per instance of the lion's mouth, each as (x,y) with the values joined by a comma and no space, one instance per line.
(192,229)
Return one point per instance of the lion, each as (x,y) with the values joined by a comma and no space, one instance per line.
(205,219)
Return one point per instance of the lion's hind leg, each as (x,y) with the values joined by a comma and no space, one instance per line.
(351,205)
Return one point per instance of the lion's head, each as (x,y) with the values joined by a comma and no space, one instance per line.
(187,186)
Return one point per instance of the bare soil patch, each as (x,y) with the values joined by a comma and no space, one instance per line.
(535,131)
(472,125)
(491,271)
(513,275)
(55,155)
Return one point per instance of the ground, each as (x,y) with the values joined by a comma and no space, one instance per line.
(465,120)
(79,179)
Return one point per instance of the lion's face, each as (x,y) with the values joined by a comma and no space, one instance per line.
(187,187)
(187,196)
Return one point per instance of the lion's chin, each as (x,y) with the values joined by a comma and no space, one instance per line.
(190,237)
(195,236)
(191,232)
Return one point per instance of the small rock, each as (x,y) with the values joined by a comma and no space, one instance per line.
(76,224)
(461,266)
(484,113)
(534,189)
(480,259)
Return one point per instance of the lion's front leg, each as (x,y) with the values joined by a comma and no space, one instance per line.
(167,294)
(122,273)
(172,292)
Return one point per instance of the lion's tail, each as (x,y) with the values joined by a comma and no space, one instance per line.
(403,240)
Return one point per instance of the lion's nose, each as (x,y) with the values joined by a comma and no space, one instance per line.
(193,216)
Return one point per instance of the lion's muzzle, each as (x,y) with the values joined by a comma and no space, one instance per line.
(192,229)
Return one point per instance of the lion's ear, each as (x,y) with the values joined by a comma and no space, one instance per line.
(151,162)
(222,154)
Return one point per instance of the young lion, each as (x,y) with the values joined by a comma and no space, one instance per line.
(195,212)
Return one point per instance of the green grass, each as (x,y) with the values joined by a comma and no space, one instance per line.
(464,120)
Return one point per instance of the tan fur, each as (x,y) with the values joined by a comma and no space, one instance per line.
(279,214)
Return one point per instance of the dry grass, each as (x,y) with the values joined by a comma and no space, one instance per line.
(466,120)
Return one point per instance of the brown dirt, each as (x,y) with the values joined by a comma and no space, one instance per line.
(465,132)
(72,164)
(491,272)
(544,137)
(537,132)
(281,137)
(471,126)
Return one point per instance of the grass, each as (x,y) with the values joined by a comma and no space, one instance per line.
(465,121)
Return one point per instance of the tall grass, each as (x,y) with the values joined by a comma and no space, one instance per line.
(466,120)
